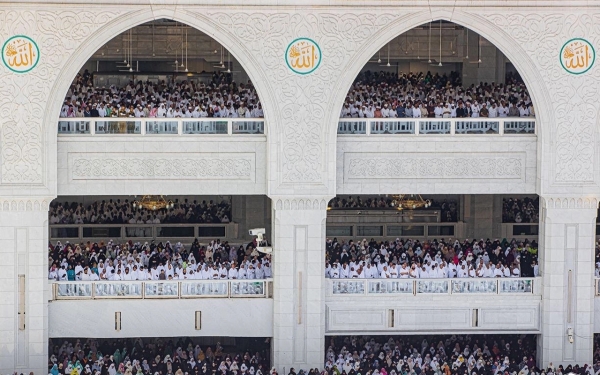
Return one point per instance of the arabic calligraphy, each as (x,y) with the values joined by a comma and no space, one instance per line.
(577,56)
(20,54)
(303,56)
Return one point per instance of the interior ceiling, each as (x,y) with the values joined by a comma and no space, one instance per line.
(165,40)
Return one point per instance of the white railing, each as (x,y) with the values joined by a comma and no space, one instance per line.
(382,231)
(164,126)
(142,231)
(174,289)
(416,126)
(373,287)
(520,231)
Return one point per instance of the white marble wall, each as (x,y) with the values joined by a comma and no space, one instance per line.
(234,317)
(299,304)
(23,241)
(567,237)
(433,314)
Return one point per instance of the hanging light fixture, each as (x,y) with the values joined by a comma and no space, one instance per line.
(186,51)
(181,36)
(418,49)
(467,56)
(228,62)
(388,63)
(153,203)
(176,61)
(410,202)
(379,57)
(479,51)
(440,64)
(153,53)
(130,51)
(429,60)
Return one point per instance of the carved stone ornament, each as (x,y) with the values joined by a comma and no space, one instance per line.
(158,168)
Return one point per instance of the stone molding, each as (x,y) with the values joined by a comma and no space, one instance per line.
(152,167)
(570,202)
(300,203)
(437,166)
(25,204)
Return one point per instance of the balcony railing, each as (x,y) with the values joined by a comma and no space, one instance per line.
(163,126)
(375,287)
(142,231)
(174,289)
(424,126)
(381,231)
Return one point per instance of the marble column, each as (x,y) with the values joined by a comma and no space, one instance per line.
(24,289)
(298,241)
(567,236)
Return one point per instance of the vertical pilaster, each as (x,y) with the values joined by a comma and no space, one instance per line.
(299,316)
(24,287)
(567,235)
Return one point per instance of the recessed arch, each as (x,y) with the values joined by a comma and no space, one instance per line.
(479,24)
(117,26)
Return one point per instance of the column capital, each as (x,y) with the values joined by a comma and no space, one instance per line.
(292,202)
(31,203)
(571,201)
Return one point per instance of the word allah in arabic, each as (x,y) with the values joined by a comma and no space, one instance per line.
(303,56)
(20,54)
(577,56)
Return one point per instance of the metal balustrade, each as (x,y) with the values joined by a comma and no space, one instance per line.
(80,232)
(173,289)
(373,287)
(424,126)
(163,126)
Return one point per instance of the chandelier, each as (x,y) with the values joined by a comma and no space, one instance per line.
(152,202)
(410,201)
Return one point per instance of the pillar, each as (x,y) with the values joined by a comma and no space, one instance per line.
(567,236)
(299,295)
(24,289)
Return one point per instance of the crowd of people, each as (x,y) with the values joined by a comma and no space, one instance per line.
(448,207)
(345,355)
(525,210)
(156,261)
(117,211)
(442,355)
(156,356)
(385,94)
(407,258)
(221,97)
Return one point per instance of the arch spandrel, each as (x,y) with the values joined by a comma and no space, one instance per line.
(574,104)
(25,146)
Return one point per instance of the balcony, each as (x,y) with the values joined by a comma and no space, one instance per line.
(438,126)
(171,289)
(141,308)
(162,126)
